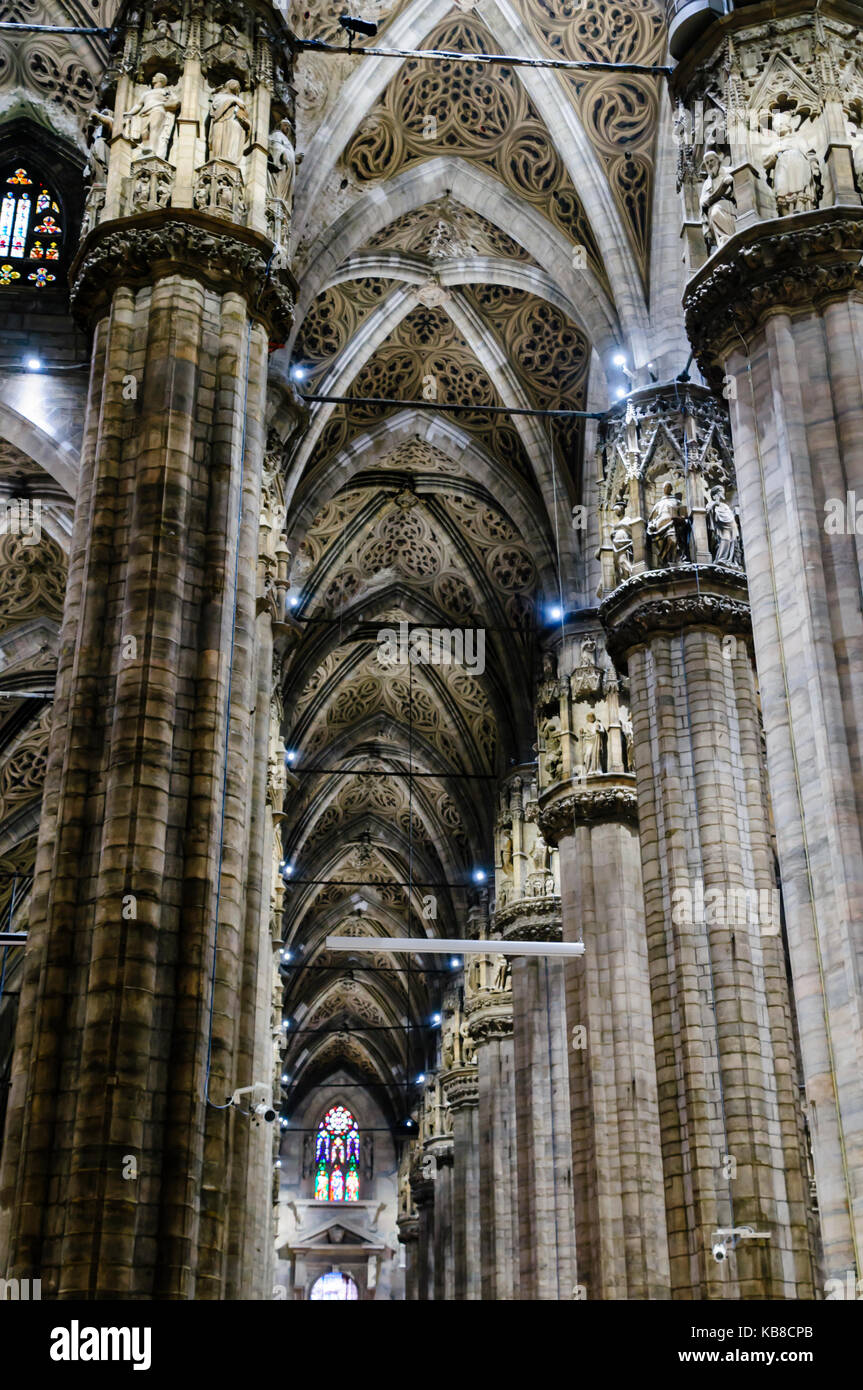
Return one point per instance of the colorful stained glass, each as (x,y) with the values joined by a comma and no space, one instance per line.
(8,274)
(337,1155)
(23,234)
(19,231)
(7,214)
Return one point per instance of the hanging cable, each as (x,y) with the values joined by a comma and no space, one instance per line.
(471,409)
(511,60)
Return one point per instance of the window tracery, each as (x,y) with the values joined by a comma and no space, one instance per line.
(31,229)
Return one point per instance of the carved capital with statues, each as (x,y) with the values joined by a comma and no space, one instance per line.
(134,252)
(596,799)
(460,1087)
(532,919)
(673,600)
(790,264)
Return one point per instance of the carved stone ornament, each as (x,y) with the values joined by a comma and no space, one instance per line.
(793,264)
(149,184)
(219,190)
(171,243)
(584,805)
(461,1086)
(694,596)
(530,919)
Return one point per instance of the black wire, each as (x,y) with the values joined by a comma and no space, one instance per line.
(508,59)
(440,405)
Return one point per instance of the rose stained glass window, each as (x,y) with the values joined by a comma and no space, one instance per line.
(337,1157)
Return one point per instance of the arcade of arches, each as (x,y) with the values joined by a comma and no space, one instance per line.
(430,509)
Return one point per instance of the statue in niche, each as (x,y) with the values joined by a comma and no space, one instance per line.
(722,526)
(230,123)
(662,527)
(626,740)
(502,975)
(855,135)
(718,211)
(506,852)
(467,1044)
(99,152)
(621,543)
(550,734)
(282,162)
(539,855)
(795,173)
(591,736)
(156,111)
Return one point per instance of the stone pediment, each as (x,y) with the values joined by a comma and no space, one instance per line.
(336,1233)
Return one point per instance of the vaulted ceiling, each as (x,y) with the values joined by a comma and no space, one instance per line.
(463,234)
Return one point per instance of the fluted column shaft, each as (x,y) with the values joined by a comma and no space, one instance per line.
(724,1049)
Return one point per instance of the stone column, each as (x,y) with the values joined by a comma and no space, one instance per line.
(775,316)
(423,1194)
(527,908)
(589,812)
(488,1007)
(731,1126)
(139,1001)
(460,1091)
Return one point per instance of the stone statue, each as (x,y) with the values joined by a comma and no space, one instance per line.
(591,737)
(550,734)
(156,111)
(230,123)
(506,852)
(723,528)
(283,162)
(99,151)
(626,739)
(717,201)
(794,172)
(855,135)
(621,543)
(501,979)
(661,526)
(539,854)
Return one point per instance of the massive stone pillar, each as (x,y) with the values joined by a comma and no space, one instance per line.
(460,1087)
(438,1158)
(148,958)
(587,808)
(528,909)
(488,1007)
(775,313)
(731,1126)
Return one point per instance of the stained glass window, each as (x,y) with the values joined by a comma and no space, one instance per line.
(31,229)
(333,1286)
(337,1157)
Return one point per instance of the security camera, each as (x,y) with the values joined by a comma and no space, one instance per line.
(261,1111)
(720,1252)
(352,24)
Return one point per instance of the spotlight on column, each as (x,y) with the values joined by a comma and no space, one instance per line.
(298,373)
(353,26)
(290,757)
(435,1018)
(619,359)
(454,962)
(421,1078)
(479,875)
(620,393)
(293,600)
(33,364)
(555,613)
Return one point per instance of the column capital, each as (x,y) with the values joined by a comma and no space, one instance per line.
(440,1148)
(673,599)
(787,264)
(461,1087)
(134,250)
(408,1229)
(530,919)
(598,798)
